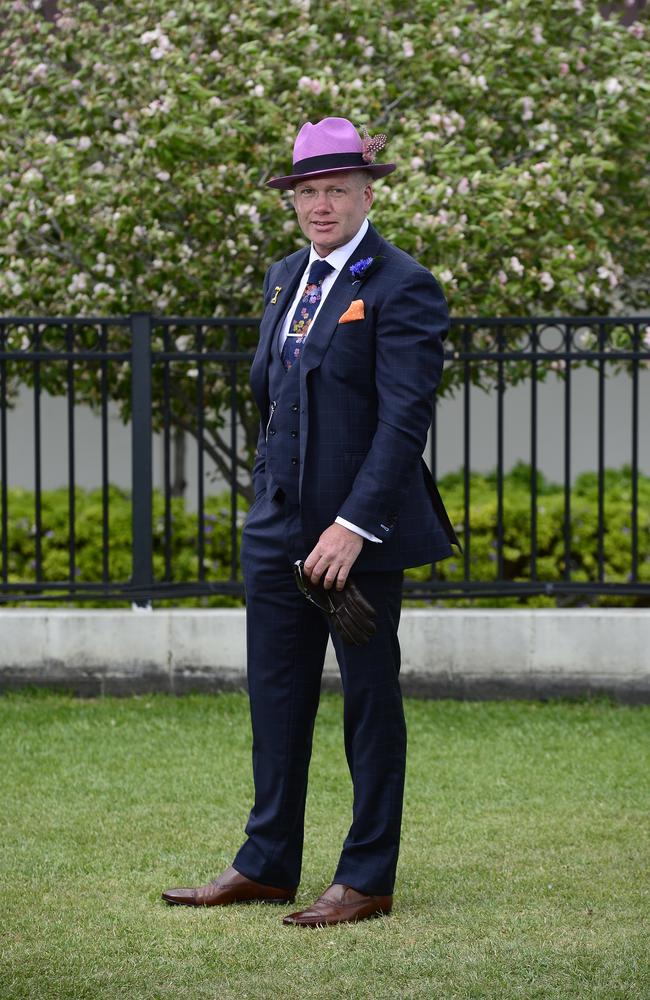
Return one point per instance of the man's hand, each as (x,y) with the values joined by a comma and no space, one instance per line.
(333,555)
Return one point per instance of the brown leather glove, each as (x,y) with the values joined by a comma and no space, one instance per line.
(353,617)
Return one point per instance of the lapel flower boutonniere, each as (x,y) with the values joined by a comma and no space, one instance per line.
(362,268)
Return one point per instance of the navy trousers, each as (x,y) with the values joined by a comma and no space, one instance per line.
(286,640)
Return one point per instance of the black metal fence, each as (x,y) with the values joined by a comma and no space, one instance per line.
(191,372)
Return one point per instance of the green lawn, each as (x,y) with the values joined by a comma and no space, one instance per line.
(523,870)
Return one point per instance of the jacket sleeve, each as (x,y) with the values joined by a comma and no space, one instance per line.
(410,329)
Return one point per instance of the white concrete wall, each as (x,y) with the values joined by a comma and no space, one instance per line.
(483,443)
(445,653)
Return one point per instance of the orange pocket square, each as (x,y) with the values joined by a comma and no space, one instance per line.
(355,311)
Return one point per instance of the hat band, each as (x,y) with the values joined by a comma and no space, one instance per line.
(330,161)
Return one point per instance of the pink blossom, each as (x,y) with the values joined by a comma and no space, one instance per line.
(564,68)
(503,277)
(598,209)
(463,186)
(538,35)
(417,162)
(407,48)
(546,281)
(517,266)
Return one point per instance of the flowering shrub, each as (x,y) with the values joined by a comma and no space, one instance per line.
(137,137)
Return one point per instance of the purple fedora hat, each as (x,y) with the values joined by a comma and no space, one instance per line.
(332,144)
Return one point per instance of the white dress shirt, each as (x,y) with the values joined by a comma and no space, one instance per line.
(337,259)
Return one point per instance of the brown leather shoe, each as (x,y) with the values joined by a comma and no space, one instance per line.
(340,904)
(231,887)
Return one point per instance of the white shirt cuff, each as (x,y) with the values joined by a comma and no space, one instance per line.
(359,531)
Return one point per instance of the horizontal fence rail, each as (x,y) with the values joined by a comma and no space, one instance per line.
(190,374)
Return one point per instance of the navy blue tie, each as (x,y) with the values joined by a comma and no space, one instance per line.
(305,312)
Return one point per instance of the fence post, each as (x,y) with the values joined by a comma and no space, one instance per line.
(141,454)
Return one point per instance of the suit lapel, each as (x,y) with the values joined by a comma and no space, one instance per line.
(288,277)
(344,290)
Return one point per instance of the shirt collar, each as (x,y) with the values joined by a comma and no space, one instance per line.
(338,257)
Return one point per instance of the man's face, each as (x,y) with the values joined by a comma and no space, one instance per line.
(331,208)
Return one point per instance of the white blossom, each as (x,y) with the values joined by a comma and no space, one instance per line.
(407,48)
(84,142)
(78,284)
(606,274)
(32,176)
(546,281)
(528,104)
(516,266)
(613,86)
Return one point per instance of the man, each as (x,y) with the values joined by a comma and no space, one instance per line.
(349,357)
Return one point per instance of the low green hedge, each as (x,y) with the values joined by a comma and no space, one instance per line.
(617,547)
(482,548)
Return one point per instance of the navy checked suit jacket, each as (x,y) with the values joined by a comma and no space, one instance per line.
(366,398)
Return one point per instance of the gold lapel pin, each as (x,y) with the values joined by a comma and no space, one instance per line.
(278,289)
